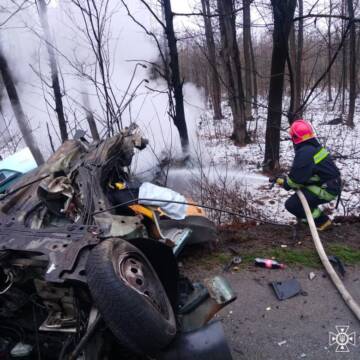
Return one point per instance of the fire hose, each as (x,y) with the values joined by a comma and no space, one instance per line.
(349,300)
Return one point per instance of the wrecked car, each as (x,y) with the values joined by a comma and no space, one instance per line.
(86,273)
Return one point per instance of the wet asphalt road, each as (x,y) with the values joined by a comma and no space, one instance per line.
(301,324)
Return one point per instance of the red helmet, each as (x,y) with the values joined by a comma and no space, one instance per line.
(301,130)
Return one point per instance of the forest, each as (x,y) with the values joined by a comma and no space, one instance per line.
(219,82)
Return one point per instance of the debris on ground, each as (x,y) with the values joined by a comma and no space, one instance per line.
(236,260)
(286,289)
(312,275)
(268,263)
(338,263)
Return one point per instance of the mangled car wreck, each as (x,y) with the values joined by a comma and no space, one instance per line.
(87,271)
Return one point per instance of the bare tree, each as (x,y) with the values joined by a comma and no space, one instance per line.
(177,84)
(232,65)
(298,61)
(283,12)
(253,69)
(96,19)
(344,70)
(211,54)
(352,65)
(59,108)
(291,61)
(17,109)
(247,57)
(170,67)
(329,83)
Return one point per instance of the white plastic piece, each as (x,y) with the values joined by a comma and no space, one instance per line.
(312,276)
(154,194)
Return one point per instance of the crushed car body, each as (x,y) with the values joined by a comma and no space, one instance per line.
(88,270)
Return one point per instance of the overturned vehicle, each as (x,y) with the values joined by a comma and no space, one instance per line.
(88,267)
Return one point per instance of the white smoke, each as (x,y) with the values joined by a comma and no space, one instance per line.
(27,54)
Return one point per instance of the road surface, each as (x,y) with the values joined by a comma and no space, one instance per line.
(258,326)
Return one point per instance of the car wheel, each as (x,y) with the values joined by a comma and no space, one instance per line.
(130,296)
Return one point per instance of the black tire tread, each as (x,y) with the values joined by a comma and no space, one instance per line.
(132,319)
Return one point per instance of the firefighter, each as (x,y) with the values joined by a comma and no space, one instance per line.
(314,172)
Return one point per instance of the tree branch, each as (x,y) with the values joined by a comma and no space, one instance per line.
(326,16)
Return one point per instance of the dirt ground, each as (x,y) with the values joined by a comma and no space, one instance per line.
(245,236)
(257,324)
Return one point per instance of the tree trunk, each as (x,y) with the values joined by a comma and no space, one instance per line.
(254,74)
(298,62)
(59,109)
(232,66)
(344,62)
(176,83)
(352,66)
(17,108)
(215,85)
(329,55)
(291,62)
(283,11)
(247,57)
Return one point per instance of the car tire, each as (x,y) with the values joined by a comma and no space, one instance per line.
(130,297)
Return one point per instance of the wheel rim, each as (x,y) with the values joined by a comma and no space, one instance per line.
(136,272)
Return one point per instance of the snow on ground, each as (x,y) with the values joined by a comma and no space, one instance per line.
(240,168)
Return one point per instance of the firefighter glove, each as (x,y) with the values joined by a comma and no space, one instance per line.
(280,180)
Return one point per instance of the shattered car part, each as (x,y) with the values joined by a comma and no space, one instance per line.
(53,252)
(120,226)
(219,294)
(335,260)
(203,230)
(207,343)
(236,260)
(61,246)
(286,289)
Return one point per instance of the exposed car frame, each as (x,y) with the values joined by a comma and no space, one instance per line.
(54,233)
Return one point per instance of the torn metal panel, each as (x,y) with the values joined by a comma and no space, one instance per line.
(220,290)
(61,246)
(120,226)
(219,294)
(207,343)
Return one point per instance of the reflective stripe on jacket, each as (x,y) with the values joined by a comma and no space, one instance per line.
(314,169)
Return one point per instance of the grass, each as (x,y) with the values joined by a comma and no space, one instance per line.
(347,254)
(288,256)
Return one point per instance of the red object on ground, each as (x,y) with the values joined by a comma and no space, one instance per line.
(268,263)
(301,130)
